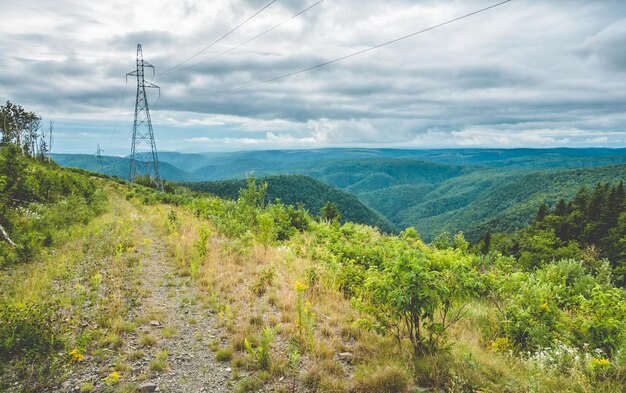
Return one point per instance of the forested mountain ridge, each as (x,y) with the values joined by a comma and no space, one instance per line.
(468,190)
(117,166)
(299,189)
(501,201)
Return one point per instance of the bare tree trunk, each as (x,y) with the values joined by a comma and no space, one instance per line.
(6,236)
(50,142)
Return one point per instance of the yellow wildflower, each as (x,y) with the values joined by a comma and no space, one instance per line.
(76,355)
(300,286)
(112,378)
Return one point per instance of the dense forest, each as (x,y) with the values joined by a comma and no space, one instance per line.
(590,226)
(298,189)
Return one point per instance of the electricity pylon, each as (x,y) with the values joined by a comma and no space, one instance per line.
(143,152)
(99,158)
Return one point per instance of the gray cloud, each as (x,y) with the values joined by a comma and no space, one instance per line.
(527,73)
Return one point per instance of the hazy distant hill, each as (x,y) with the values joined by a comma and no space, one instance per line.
(213,166)
(294,189)
(118,166)
(454,189)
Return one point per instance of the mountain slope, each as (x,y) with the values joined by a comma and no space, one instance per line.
(294,189)
(433,190)
(118,166)
(496,200)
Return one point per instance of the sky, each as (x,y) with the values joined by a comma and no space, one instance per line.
(528,73)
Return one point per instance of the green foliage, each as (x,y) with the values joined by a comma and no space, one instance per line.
(201,242)
(305,193)
(29,328)
(19,128)
(587,225)
(261,353)
(330,212)
(38,200)
(563,302)
(250,214)
(408,289)
(418,294)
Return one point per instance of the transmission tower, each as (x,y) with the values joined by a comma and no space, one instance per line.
(99,158)
(143,152)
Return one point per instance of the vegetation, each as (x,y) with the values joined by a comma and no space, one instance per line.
(446,304)
(591,227)
(300,302)
(469,190)
(294,190)
(38,200)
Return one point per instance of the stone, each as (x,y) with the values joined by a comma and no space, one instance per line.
(155,323)
(346,356)
(147,387)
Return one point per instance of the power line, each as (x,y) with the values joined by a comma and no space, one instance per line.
(119,109)
(219,39)
(355,53)
(252,39)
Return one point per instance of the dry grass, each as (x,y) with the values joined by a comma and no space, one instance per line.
(234,284)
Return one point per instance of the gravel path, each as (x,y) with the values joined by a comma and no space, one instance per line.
(168,312)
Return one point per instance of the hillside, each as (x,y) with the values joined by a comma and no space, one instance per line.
(118,166)
(434,190)
(496,200)
(137,290)
(295,189)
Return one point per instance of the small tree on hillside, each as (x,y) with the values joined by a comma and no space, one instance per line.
(330,212)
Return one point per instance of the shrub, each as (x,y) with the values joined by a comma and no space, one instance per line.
(418,295)
(261,353)
(560,302)
(32,328)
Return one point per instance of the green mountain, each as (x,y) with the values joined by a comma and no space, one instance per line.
(294,189)
(468,190)
(118,166)
(494,199)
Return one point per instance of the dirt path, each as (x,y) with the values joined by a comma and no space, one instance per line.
(169,347)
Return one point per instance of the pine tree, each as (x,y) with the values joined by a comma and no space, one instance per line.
(330,212)
(541,213)
(561,208)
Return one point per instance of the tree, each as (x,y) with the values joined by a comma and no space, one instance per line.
(252,198)
(561,208)
(19,127)
(330,212)
(541,213)
(484,244)
(581,200)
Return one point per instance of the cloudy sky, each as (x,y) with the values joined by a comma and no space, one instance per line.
(529,73)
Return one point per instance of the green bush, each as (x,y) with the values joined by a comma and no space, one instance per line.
(562,302)
(38,200)
(29,328)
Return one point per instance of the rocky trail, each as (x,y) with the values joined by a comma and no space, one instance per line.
(168,350)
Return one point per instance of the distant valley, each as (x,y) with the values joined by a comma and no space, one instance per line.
(469,190)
